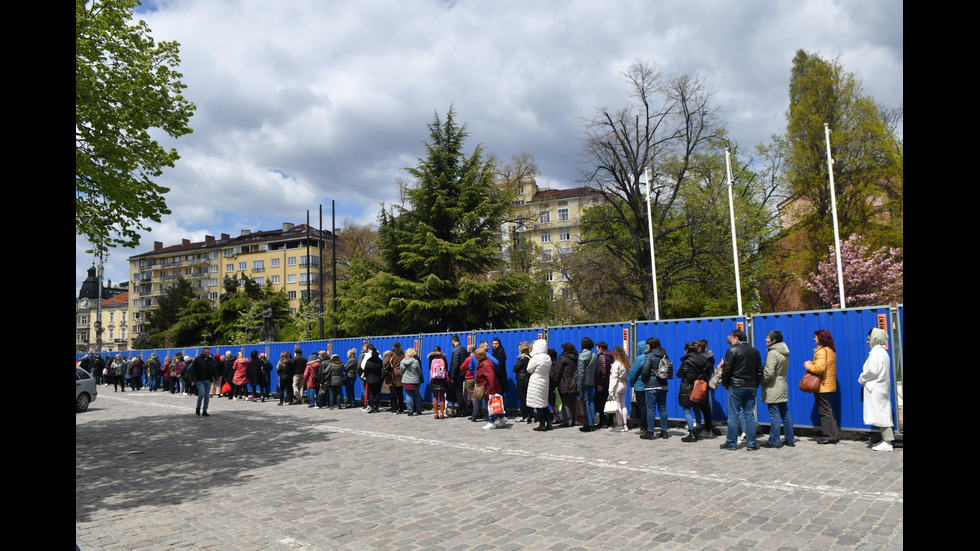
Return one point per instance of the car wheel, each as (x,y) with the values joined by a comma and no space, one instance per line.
(81,403)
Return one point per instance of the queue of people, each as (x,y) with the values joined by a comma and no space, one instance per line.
(585,386)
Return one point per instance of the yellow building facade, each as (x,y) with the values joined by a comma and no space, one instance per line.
(289,258)
(550,219)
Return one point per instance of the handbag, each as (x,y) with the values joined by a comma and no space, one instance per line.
(700,391)
(612,406)
(715,380)
(809,383)
(580,412)
(495,406)
(479,392)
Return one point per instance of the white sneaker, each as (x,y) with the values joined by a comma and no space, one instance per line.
(489,426)
(883,446)
(501,422)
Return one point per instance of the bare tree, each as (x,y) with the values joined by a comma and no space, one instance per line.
(668,121)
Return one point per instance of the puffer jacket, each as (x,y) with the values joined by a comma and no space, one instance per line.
(650,366)
(539,371)
(586,370)
(564,371)
(775,389)
(334,375)
(693,367)
(635,382)
(824,365)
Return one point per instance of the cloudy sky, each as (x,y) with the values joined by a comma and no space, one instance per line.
(304,102)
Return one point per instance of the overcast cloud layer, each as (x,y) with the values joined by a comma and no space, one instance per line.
(304,102)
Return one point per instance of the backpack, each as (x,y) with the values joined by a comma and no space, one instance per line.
(666,369)
(437,369)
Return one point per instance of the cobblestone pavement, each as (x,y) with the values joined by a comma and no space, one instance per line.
(152,475)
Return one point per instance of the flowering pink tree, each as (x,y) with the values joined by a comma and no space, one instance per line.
(870,277)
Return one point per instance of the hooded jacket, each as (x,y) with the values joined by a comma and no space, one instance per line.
(775,389)
(634,376)
(539,371)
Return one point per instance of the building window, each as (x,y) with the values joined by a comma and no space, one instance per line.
(549,276)
(314,278)
(546,236)
(112,317)
(546,255)
(563,215)
(274,262)
(564,234)
(545,217)
(212,296)
(229,267)
(290,278)
(275,280)
(313,261)
(241,266)
(260,281)
(258,265)
(291,295)
(213,268)
(291,261)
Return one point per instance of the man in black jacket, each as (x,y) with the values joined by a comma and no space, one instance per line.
(201,373)
(741,375)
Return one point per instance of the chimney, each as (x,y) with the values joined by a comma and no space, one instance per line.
(209,240)
(286,226)
(225,237)
(246,231)
(157,245)
(185,242)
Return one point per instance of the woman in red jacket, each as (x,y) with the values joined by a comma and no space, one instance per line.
(485,376)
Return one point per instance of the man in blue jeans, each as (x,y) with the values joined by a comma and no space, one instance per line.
(741,376)
(202,371)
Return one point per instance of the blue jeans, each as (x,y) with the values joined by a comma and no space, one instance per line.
(203,394)
(588,396)
(658,397)
(311,393)
(741,408)
(414,400)
(349,383)
(693,417)
(333,396)
(777,412)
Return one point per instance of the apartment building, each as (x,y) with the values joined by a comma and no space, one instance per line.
(289,258)
(551,220)
(87,314)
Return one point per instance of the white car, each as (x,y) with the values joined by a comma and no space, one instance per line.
(85,389)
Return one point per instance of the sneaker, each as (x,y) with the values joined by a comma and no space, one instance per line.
(883,446)
(501,422)
(489,426)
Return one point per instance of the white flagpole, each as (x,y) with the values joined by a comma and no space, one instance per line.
(653,263)
(731,211)
(833,208)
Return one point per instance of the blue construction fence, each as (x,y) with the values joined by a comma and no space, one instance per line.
(849,327)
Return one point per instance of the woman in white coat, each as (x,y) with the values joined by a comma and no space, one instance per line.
(539,369)
(876,378)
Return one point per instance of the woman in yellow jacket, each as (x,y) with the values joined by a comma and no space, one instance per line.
(824,365)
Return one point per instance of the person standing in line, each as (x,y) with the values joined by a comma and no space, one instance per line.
(239,381)
(707,429)
(266,385)
(153,372)
(393,376)
(253,372)
(636,385)
(284,370)
(618,387)
(656,390)
(499,356)
(586,374)
(411,372)
(438,382)
(876,378)
(693,368)
(350,376)
(312,381)
(741,377)
(334,380)
(539,383)
(564,373)
(456,378)
(299,370)
(521,379)
(824,365)
(606,360)
(486,377)
(373,377)
(775,391)
(200,374)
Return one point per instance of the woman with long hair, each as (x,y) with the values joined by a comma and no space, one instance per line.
(618,377)
(824,365)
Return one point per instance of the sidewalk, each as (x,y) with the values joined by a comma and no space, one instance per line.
(152,475)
